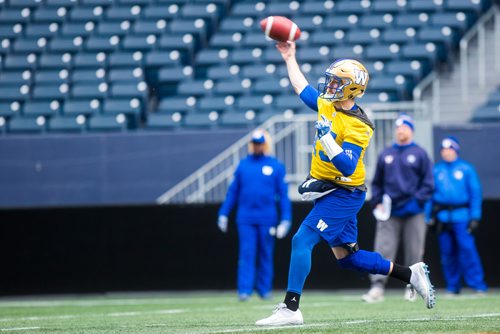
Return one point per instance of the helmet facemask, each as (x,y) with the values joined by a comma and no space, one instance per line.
(333,88)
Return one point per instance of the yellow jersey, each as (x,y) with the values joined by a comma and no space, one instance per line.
(345,128)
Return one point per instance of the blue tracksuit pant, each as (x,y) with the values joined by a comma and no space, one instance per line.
(256,255)
(459,257)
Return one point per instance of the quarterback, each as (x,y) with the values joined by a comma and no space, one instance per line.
(337,185)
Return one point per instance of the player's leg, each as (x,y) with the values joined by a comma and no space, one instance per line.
(265,259)
(469,259)
(350,257)
(449,258)
(386,244)
(247,235)
(414,229)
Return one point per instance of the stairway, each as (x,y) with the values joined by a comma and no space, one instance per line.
(453,108)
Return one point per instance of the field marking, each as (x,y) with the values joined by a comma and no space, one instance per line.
(91,315)
(18,329)
(351,322)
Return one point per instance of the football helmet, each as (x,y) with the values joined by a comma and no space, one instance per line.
(344,79)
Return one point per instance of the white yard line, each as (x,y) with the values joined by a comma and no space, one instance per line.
(351,322)
(18,329)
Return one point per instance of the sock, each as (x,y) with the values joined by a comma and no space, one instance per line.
(401,273)
(292,300)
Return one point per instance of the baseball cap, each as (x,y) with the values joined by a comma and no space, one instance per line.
(407,120)
(258,137)
(451,142)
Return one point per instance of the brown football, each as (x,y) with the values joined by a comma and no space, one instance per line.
(280,28)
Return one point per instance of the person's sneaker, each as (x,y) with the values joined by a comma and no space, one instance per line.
(421,283)
(243,297)
(410,294)
(374,295)
(282,316)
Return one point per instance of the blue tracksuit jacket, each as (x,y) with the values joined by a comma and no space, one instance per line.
(257,187)
(456,183)
(404,172)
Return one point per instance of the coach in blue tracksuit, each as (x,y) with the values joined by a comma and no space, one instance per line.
(258,188)
(455,212)
(404,174)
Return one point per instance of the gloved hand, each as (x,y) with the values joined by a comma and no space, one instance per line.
(222,223)
(473,225)
(324,127)
(282,229)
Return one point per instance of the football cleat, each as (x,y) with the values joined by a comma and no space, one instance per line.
(420,282)
(282,316)
(374,295)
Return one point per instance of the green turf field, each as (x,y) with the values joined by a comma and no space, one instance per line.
(211,312)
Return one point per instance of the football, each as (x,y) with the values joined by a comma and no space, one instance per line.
(280,28)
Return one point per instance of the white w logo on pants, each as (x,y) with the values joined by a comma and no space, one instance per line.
(321,225)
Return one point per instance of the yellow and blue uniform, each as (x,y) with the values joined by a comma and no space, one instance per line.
(333,217)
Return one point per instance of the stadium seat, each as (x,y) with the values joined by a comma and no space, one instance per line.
(412,20)
(248,9)
(113,28)
(88,75)
(269,86)
(388,6)
(236,24)
(494,98)
(195,27)
(102,44)
(185,45)
(223,72)
(427,6)
(309,23)
(65,44)
(27,125)
(428,51)
(87,90)
(131,107)
(287,101)
(85,14)
(34,108)
(20,62)
(487,113)
(67,124)
(255,102)
(74,29)
(346,22)
(233,87)
(120,13)
(157,121)
(160,59)
(414,68)
(444,35)
(16,92)
(15,77)
(207,57)
(51,14)
(327,38)
(158,11)
(9,108)
(167,78)
(52,77)
(156,27)
(125,59)
(91,60)
(252,71)
(379,21)
(354,52)
(106,123)
(363,36)
(201,120)
(286,9)
(60,60)
(10,30)
(467,5)
(218,103)
(24,3)
(232,118)
(130,90)
(459,20)
(317,7)
(131,74)
(399,35)
(141,43)
(77,107)
(17,15)
(52,92)
(177,104)
(382,52)
(35,30)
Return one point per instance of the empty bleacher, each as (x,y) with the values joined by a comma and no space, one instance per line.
(122,65)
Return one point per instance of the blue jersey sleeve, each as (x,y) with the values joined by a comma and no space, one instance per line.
(231,196)
(347,161)
(475,194)
(309,96)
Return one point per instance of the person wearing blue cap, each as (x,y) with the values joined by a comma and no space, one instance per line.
(401,186)
(454,213)
(258,189)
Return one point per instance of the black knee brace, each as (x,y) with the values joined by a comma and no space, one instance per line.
(351,248)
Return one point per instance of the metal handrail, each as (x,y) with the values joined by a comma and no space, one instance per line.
(216,174)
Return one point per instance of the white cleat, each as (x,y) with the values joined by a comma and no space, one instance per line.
(410,294)
(282,316)
(374,295)
(420,282)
